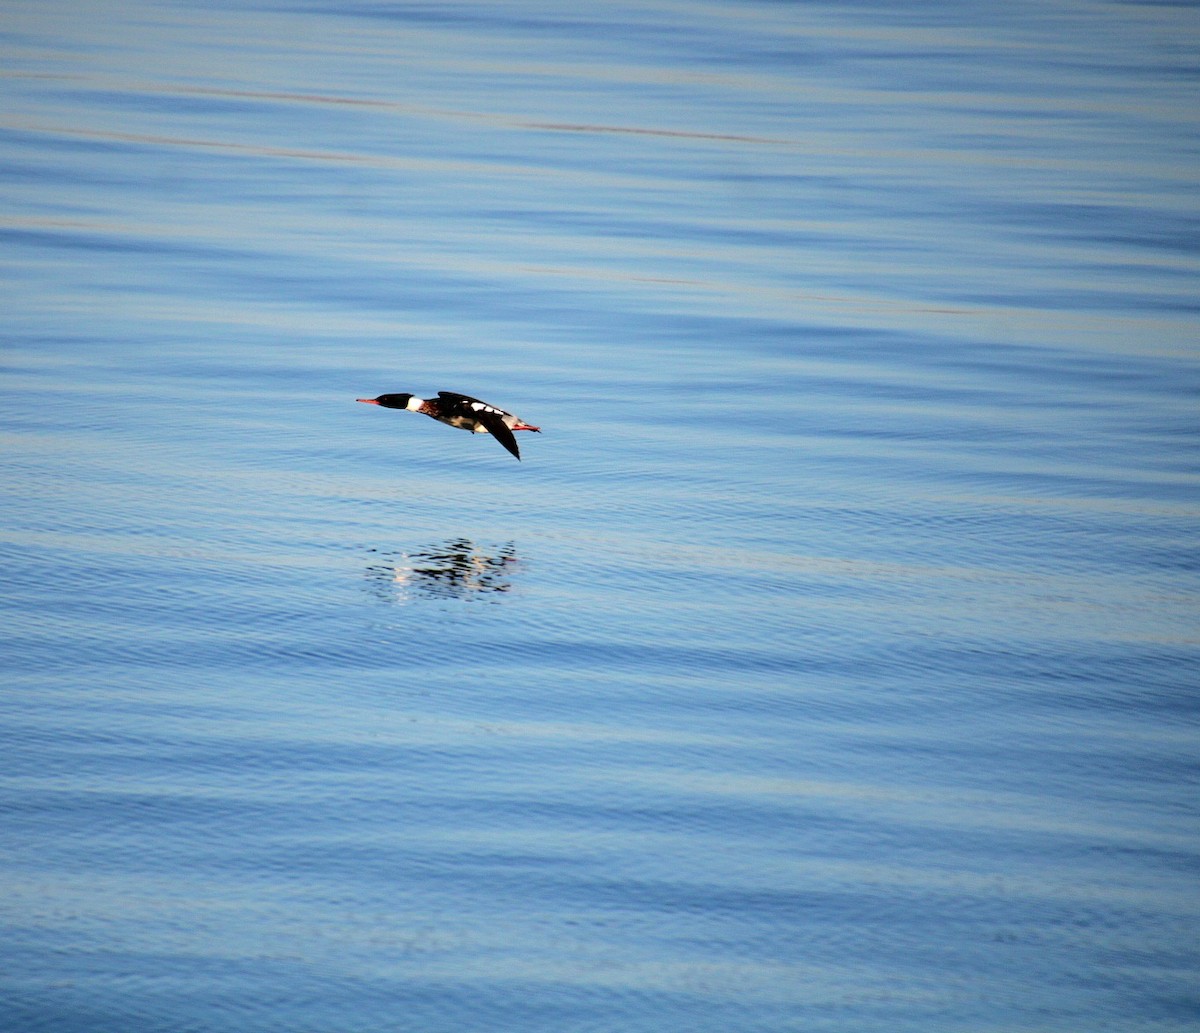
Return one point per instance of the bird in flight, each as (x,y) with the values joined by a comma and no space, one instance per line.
(461,411)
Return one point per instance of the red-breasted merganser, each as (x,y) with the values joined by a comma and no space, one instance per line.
(461,411)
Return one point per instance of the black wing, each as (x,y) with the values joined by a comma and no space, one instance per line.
(489,415)
(457,399)
(495,423)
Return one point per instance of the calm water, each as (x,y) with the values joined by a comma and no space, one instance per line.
(830,662)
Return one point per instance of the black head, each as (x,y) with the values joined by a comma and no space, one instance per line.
(388,401)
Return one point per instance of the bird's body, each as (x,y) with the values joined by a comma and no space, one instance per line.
(461,411)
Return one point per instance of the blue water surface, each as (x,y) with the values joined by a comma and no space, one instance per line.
(829,661)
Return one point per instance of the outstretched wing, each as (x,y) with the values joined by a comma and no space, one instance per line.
(455,398)
(494,422)
(487,414)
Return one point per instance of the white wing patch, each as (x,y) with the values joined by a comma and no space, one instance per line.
(484,407)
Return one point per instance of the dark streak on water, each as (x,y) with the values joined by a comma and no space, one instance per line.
(829,662)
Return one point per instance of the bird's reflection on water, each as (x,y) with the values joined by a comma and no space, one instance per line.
(454,569)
